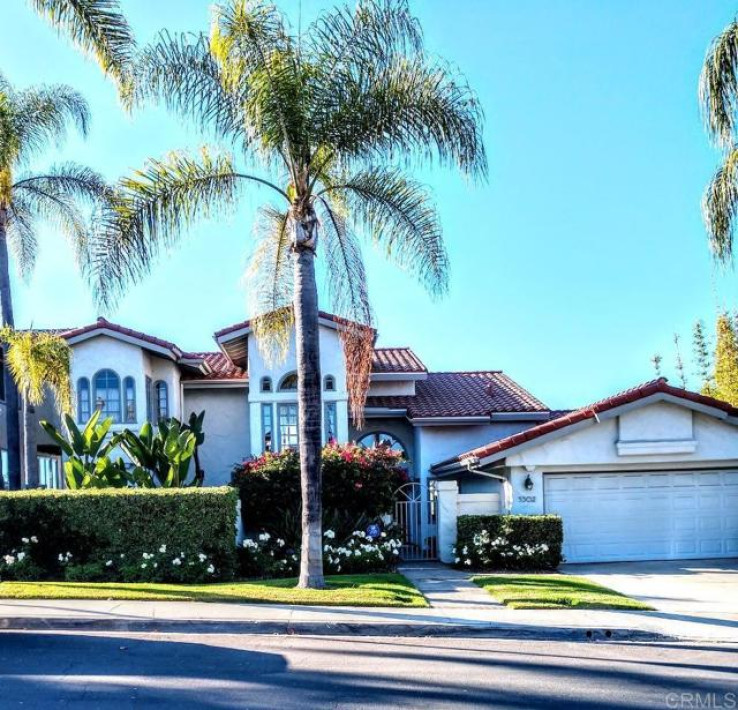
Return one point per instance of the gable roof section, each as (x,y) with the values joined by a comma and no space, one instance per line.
(246,325)
(217,366)
(462,394)
(101,324)
(396,360)
(498,449)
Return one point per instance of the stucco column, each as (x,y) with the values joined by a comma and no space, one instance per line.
(448,506)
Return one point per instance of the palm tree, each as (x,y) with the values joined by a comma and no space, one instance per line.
(333,117)
(719,101)
(37,361)
(30,121)
(98,28)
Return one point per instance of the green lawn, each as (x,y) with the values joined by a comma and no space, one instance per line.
(553,591)
(346,590)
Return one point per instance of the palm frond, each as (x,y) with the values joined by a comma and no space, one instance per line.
(720,208)
(270,285)
(180,71)
(39,361)
(70,197)
(347,286)
(402,220)
(388,100)
(249,41)
(43,116)
(345,36)
(98,27)
(718,88)
(153,209)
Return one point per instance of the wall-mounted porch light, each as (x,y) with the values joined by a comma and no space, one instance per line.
(528,483)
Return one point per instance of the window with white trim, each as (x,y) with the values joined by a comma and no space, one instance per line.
(84,411)
(287,422)
(161,398)
(288,383)
(329,383)
(107,395)
(129,399)
(377,439)
(267,427)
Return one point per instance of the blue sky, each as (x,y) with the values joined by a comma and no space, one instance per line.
(579,259)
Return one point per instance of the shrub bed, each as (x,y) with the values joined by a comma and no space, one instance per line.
(514,542)
(358,488)
(133,535)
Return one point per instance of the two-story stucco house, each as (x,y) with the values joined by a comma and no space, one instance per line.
(648,474)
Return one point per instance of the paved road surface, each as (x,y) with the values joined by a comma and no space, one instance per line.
(83,670)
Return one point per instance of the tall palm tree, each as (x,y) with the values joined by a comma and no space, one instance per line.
(65,195)
(97,27)
(718,92)
(38,362)
(333,117)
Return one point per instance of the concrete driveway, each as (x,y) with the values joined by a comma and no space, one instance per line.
(678,587)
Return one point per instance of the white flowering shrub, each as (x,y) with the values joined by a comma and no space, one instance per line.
(374,551)
(159,565)
(515,542)
(21,562)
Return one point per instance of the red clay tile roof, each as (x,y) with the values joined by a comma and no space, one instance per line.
(462,394)
(247,324)
(103,323)
(646,389)
(221,368)
(396,360)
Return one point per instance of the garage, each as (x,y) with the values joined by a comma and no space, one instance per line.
(645,515)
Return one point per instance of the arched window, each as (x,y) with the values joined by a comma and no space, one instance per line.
(329,383)
(266,384)
(289,383)
(161,395)
(83,400)
(376,439)
(129,399)
(107,395)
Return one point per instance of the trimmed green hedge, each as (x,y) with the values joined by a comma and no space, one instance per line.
(108,531)
(515,542)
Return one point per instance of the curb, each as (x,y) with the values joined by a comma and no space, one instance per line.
(336,629)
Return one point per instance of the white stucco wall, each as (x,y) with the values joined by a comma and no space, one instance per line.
(226,425)
(595,448)
(332,363)
(391,388)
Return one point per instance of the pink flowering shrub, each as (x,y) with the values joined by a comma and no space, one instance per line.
(358,488)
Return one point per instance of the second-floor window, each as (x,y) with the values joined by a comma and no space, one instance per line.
(266,384)
(107,395)
(161,397)
(84,410)
(329,383)
(289,383)
(129,395)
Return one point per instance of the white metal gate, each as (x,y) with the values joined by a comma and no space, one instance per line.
(415,515)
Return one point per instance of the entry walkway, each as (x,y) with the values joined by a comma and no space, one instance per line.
(447,588)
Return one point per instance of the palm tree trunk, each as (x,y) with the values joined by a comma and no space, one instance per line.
(12,423)
(30,454)
(309,404)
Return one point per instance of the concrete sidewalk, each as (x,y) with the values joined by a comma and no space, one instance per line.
(196,617)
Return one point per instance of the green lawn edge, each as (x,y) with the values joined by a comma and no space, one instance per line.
(555,591)
(390,590)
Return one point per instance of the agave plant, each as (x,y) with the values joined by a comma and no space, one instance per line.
(89,451)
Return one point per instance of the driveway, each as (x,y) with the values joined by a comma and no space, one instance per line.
(679,587)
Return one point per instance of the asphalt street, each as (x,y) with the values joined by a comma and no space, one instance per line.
(87,670)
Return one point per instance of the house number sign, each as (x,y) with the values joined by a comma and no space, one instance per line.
(526,499)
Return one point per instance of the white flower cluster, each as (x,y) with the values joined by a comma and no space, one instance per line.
(361,547)
(485,547)
(19,555)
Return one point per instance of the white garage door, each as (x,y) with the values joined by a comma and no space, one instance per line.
(660,515)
